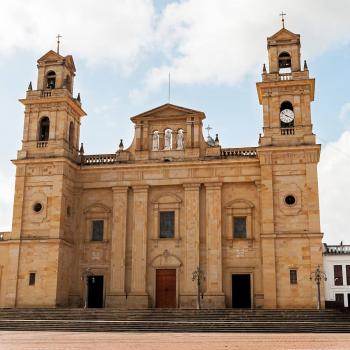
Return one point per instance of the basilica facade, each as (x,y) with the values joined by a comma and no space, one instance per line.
(132,228)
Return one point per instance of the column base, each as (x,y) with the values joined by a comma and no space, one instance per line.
(188,301)
(137,301)
(213,301)
(117,300)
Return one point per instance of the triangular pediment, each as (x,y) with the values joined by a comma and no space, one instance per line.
(284,35)
(165,110)
(50,56)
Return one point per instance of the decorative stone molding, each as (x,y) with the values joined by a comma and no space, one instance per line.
(166,259)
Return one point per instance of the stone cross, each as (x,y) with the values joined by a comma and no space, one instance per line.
(282,14)
(58,42)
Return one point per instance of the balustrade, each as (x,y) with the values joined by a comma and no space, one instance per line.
(239,152)
(287,131)
(42,144)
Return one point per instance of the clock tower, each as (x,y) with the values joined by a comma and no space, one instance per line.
(286,92)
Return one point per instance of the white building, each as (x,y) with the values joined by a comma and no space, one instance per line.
(336,262)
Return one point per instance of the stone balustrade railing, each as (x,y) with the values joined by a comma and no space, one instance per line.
(239,152)
(99,159)
(337,249)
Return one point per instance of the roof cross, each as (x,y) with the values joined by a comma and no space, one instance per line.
(282,14)
(208,128)
(58,42)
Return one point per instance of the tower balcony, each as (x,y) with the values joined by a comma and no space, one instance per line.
(50,93)
(300,75)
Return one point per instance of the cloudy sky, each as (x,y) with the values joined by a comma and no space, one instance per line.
(124,49)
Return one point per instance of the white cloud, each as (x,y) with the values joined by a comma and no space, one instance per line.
(344,111)
(221,41)
(109,31)
(7,189)
(334,188)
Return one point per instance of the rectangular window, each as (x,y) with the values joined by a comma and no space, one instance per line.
(167,224)
(348,275)
(32,278)
(239,227)
(97,230)
(338,275)
(293,276)
(339,299)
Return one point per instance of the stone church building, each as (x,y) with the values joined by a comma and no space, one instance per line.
(129,229)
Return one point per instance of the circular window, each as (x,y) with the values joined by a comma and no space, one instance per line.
(37,207)
(290,200)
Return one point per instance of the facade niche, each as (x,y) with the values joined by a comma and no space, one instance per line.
(51,80)
(44,129)
(71,135)
(284,63)
(168,139)
(155,140)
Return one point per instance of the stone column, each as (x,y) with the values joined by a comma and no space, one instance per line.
(188,298)
(267,233)
(138,297)
(214,294)
(117,296)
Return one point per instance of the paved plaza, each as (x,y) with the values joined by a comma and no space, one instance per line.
(171,341)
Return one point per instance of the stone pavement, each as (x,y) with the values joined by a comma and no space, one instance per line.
(171,341)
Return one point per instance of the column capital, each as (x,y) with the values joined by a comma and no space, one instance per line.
(120,189)
(140,188)
(191,187)
(213,185)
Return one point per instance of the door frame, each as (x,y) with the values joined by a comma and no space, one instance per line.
(98,272)
(240,272)
(154,294)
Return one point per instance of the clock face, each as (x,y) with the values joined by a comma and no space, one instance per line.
(287,116)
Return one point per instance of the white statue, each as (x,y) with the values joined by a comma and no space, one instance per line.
(167,140)
(180,139)
(155,141)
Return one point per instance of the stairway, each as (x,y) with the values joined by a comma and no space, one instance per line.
(175,320)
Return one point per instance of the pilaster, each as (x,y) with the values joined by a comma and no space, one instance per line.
(117,295)
(267,232)
(188,298)
(138,297)
(214,296)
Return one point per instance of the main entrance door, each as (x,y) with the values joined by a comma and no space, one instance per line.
(166,288)
(95,291)
(241,297)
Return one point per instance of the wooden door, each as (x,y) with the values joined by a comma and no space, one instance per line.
(166,288)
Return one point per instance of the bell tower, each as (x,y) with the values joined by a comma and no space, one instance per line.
(286,93)
(52,114)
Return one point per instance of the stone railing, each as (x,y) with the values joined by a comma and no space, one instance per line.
(34,94)
(337,249)
(41,144)
(239,152)
(287,131)
(286,76)
(97,159)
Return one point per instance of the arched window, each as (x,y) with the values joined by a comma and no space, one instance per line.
(71,135)
(286,115)
(155,140)
(44,129)
(285,63)
(168,139)
(51,79)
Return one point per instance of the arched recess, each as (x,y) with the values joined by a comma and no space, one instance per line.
(239,211)
(44,129)
(286,105)
(71,135)
(51,80)
(166,260)
(284,63)
(170,203)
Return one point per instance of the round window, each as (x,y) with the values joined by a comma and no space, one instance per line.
(37,207)
(290,200)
